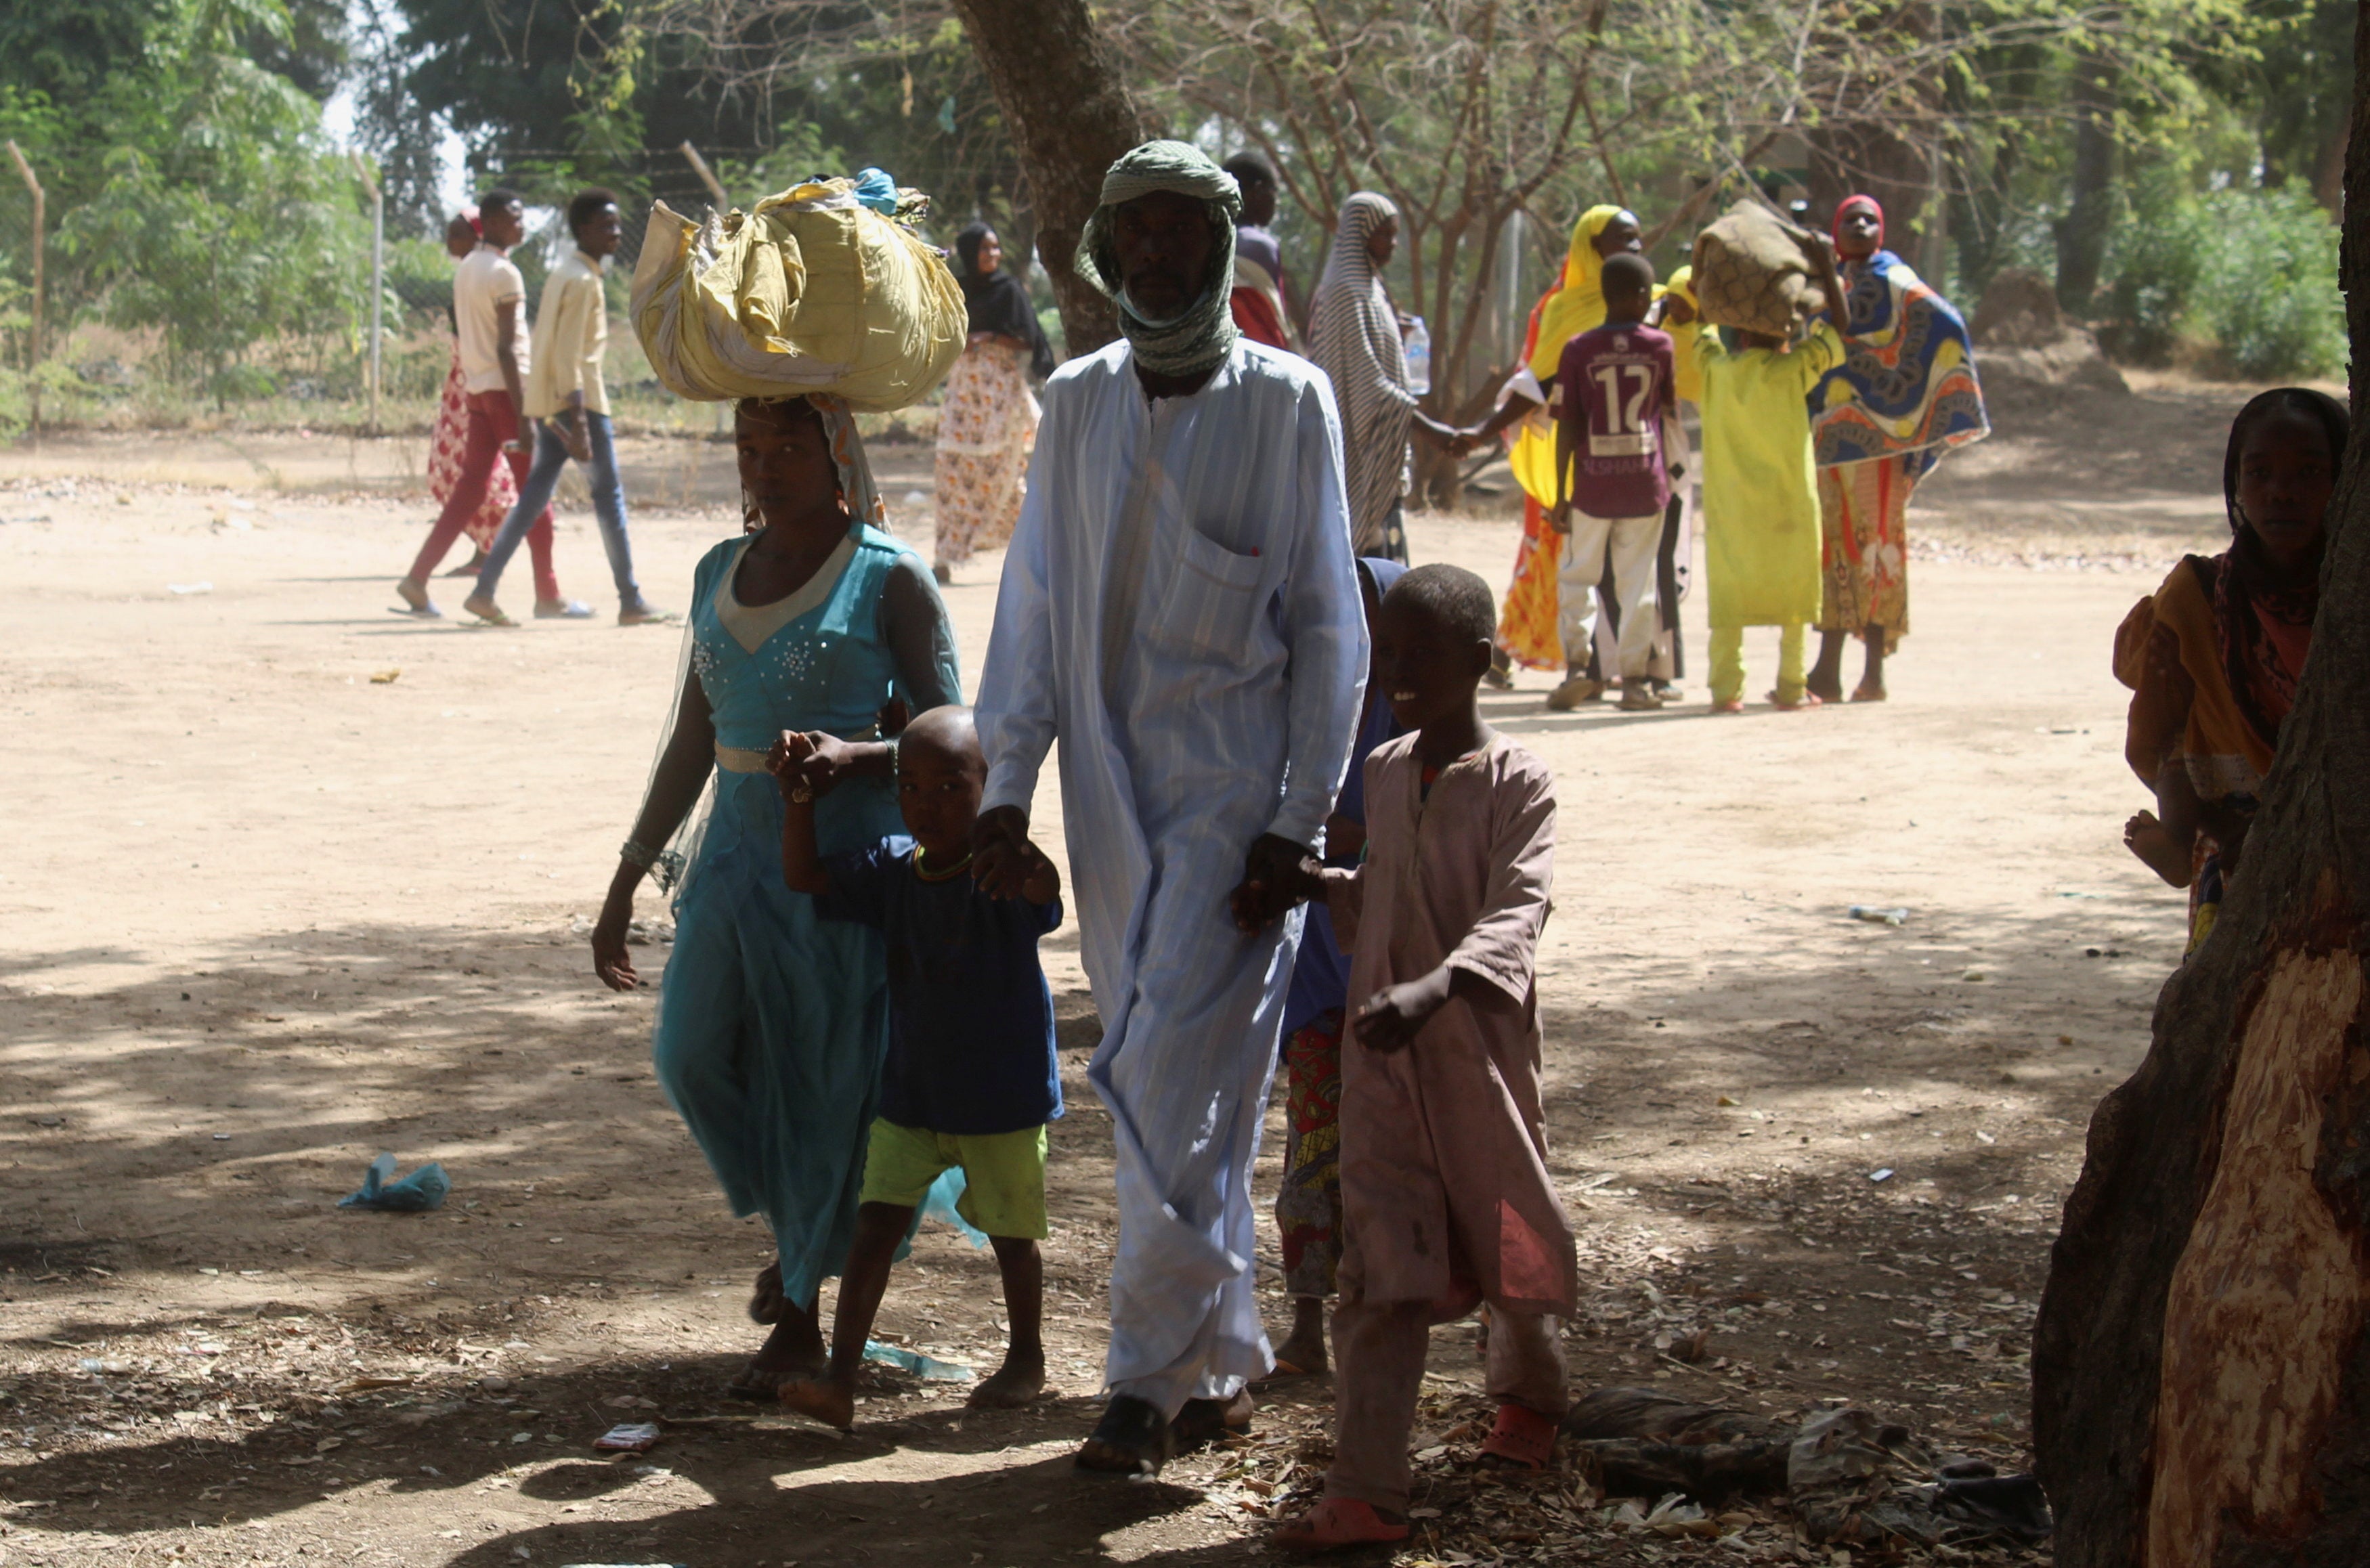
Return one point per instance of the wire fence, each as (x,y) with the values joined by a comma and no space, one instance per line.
(214,314)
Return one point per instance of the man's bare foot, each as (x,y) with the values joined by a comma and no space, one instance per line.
(793,1351)
(1869,689)
(1826,688)
(832,1404)
(1017,1382)
(2148,839)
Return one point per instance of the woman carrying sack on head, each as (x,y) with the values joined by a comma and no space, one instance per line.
(772,1024)
(987,424)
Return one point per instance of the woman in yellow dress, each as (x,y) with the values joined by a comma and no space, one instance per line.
(1527,630)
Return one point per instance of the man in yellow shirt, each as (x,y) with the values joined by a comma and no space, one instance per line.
(565,397)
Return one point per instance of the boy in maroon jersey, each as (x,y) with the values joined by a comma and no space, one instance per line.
(1614,388)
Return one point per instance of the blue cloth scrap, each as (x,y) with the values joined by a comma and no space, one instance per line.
(875,190)
(417,1193)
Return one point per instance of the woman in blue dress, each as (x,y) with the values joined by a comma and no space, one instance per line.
(771,1024)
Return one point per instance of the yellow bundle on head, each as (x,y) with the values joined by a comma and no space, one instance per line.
(811,292)
(1751,272)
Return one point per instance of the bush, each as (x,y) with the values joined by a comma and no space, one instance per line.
(2250,274)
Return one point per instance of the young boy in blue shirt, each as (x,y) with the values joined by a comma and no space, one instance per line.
(970,1078)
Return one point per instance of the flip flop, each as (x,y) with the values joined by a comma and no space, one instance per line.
(416,600)
(488,612)
(1337,1522)
(562,609)
(1728,704)
(1807,700)
(1521,1438)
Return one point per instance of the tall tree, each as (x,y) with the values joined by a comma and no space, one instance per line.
(2202,1361)
(1071,115)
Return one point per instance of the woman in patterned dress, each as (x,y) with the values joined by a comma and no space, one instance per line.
(987,423)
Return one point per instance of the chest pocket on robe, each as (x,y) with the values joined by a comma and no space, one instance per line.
(1213,602)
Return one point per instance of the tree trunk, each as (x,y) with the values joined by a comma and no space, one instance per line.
(2082,232)
(2200,1366)
(1063,95)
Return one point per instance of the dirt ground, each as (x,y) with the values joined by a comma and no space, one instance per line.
(294,881)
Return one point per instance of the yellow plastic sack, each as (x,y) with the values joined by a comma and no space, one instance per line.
(810,293)
(1751,273)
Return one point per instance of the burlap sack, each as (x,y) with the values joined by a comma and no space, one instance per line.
(1751,273)
(812,292)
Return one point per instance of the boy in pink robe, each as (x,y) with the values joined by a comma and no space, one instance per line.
(1447,1201)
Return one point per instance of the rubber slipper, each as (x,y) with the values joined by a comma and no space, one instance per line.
(1807,700)
(1728,704)
(487,612)
(416,601)
(1337,1522)
(1521,1438)
(1205,1421)
(1130,1439)
(562,609)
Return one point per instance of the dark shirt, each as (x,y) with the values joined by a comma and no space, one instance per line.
(971,1019)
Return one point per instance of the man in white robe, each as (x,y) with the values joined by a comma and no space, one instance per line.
(1179,607)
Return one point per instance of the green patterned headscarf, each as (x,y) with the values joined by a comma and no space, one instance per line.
(1204,335)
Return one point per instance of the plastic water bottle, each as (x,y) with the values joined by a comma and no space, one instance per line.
(1419,356)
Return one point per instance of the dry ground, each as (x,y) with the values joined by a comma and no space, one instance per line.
(293,881)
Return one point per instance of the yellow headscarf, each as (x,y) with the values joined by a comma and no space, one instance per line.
(1578,303)
(1687,370)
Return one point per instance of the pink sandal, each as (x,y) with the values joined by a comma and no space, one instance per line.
(1338,1522)
(1522,1437)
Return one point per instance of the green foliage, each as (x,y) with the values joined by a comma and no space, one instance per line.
(2248,273)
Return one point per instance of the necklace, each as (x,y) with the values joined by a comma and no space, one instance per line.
(948,875)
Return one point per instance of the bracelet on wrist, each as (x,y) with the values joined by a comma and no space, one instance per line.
(633,851)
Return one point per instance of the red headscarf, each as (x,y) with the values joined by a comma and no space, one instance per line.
(1849,202)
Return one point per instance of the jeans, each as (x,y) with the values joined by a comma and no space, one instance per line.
(493,421)
(535,497)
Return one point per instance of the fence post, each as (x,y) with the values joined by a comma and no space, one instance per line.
(40,218)
(378,278)
(707,176)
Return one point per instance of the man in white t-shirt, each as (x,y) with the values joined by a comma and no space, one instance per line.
(569,403)
(490,313)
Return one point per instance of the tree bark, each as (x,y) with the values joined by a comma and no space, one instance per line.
(1062,93)
(2082,232)
(2200,1365)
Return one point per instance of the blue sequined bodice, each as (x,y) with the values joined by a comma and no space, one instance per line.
(830,668)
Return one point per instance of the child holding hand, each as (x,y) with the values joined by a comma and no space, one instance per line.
(970,1078)
(1445,1197)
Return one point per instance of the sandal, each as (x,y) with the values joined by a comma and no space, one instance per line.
(1728,704)
(1338,1522)
(416,600)
(1521,1438)
(1807,698)
(562,609)
(486,610)
(1205,1421)
(1130,1439)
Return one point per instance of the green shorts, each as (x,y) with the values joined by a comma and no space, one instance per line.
(1004,1173)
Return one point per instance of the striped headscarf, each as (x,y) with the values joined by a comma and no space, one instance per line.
(1204,335)
(1353,337)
